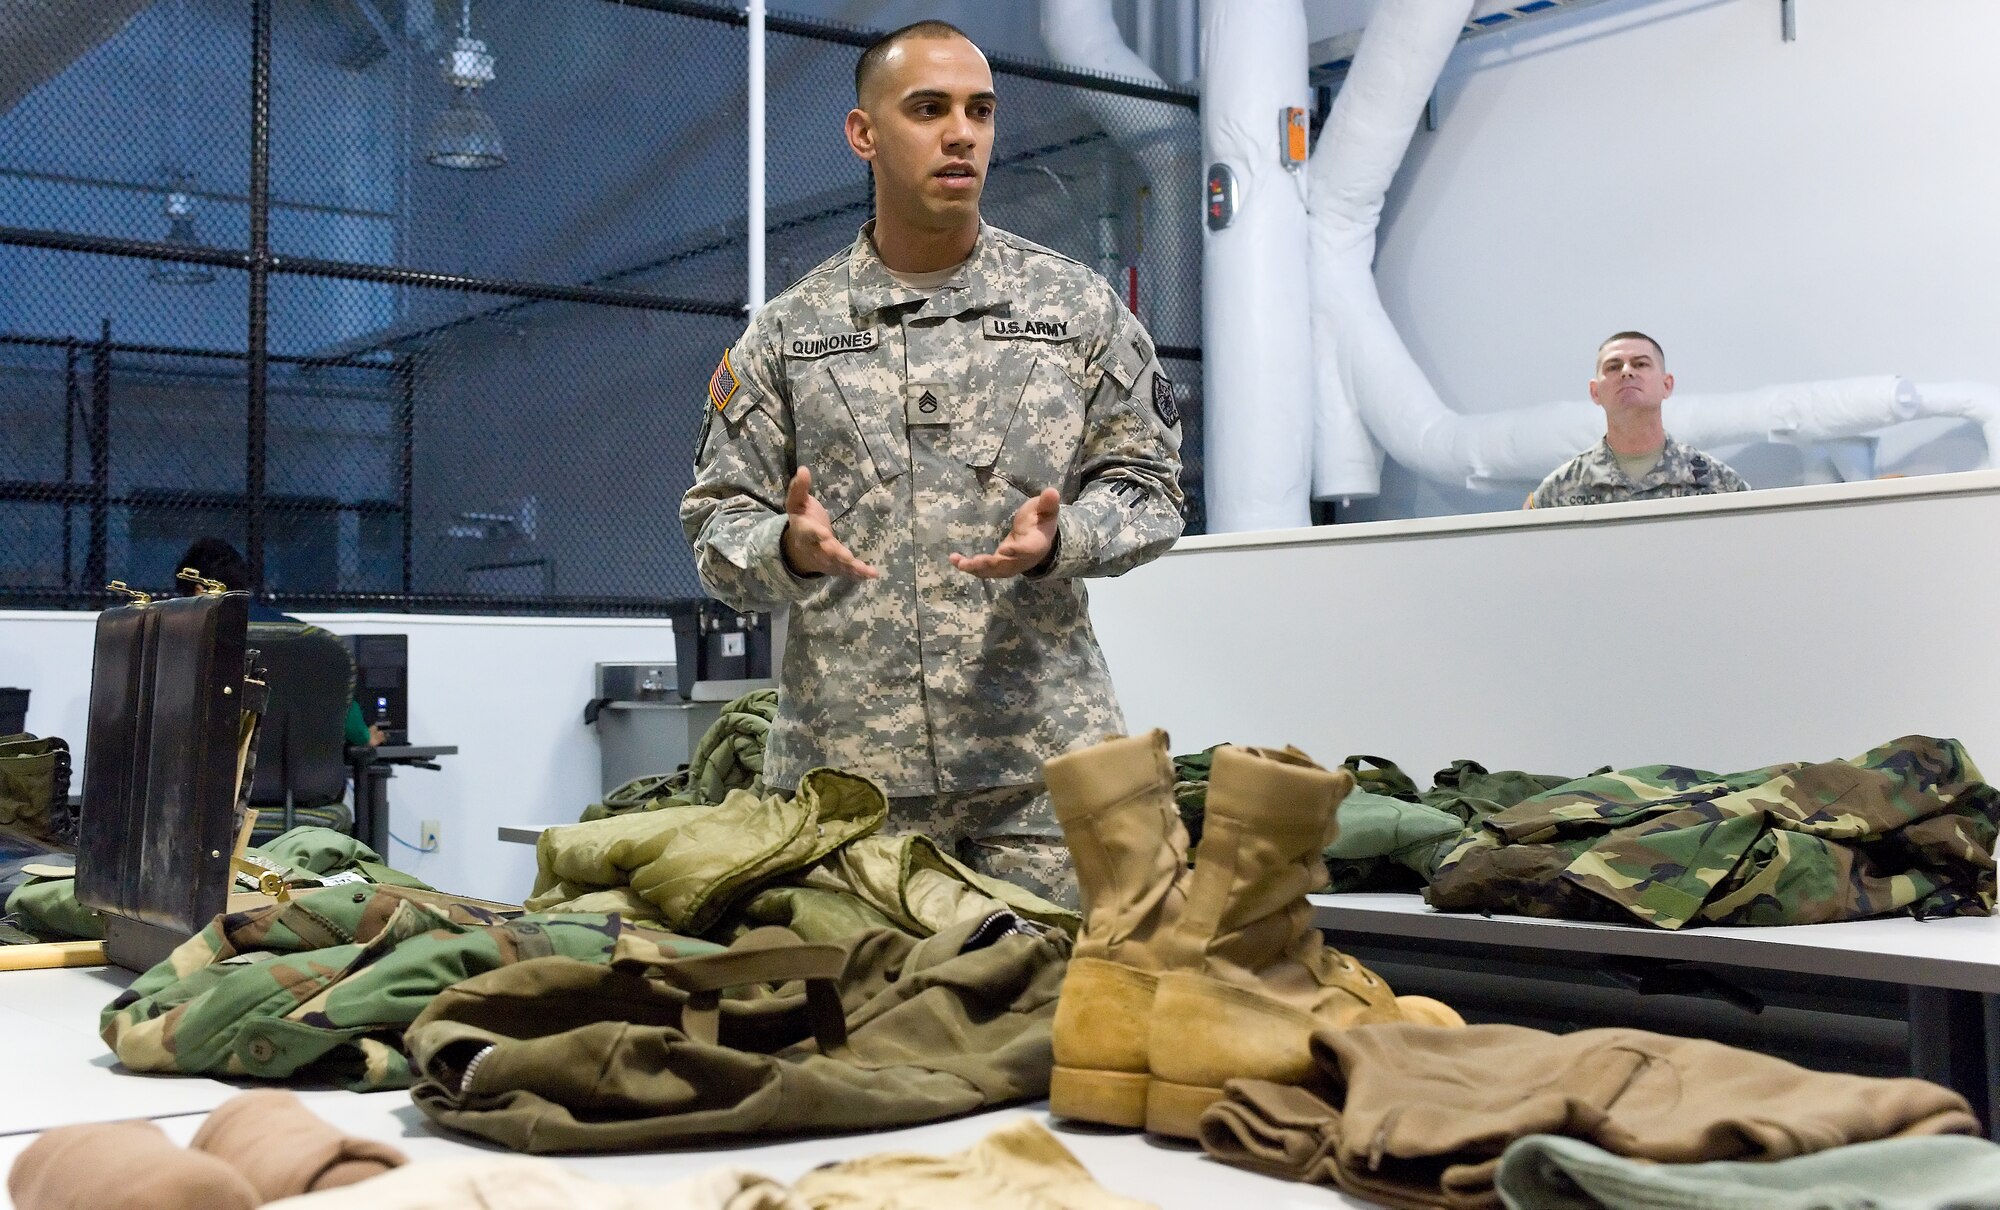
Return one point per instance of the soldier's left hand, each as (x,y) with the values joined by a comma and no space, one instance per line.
(1026,545)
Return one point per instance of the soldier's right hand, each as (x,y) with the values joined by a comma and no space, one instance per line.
(809,546)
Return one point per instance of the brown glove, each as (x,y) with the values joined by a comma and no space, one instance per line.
(285,1149)
(109,1164)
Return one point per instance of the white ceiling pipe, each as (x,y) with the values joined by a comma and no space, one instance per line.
(1256,360)
(1162,138)
(1978,402)
(1363,357)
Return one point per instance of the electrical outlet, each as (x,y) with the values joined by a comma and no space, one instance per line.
(427,834)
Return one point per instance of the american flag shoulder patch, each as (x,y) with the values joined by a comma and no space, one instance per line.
(722,385)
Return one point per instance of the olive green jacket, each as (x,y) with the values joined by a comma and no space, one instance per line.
(641,1053)
(812,862)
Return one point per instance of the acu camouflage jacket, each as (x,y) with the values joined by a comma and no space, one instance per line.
(927,420)
(1594,477)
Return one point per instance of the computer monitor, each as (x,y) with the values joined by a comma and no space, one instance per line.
(381,681)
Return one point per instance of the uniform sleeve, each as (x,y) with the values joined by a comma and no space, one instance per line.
(1127,509)
(734,515)
(1731,481)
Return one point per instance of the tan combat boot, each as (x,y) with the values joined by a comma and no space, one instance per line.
(1252,978)
(1115,802)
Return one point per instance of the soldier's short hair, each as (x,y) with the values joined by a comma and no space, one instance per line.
(1657,350)
(870,61)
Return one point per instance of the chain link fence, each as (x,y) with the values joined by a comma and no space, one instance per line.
(435,338)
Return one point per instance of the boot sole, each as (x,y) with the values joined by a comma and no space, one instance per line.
(1175,1109)
(1108,1098)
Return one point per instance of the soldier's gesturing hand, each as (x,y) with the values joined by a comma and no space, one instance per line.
(1026,545)
(809,546)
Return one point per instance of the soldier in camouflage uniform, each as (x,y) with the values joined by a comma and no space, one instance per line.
(923,446)
(1636,460)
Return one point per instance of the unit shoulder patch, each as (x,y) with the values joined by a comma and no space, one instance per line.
(832,342)
(1003,327)
(723,383)
(1163,401)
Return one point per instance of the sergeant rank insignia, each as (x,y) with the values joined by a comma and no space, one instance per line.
(1163,401)
(722,387)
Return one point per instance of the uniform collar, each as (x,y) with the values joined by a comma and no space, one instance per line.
(981,284)
(1672,465)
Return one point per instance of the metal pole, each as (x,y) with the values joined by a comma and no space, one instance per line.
(257,368)
(99,442)
(406,428)
(754,294)
(72,390)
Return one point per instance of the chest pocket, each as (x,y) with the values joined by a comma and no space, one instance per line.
(1032,432)
(839,429)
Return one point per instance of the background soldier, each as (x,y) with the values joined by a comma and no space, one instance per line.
(1636,460)
(923,446)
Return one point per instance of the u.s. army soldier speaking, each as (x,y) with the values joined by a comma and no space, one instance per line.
(924,445)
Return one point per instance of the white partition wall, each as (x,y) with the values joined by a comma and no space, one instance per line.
(1718,632)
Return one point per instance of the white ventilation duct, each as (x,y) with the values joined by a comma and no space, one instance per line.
(1161,138)
(1256,356)
(1363,362)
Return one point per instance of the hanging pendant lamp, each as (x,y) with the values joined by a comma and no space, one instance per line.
(464,136)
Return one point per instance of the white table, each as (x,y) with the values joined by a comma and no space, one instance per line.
(525,833)
(61,1074)
(1950,967)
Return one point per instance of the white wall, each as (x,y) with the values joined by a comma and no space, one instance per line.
(508,691)
(1771,211)
(1723,633)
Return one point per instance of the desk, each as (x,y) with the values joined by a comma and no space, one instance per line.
(372,768)
(1950,967)
(63,1075)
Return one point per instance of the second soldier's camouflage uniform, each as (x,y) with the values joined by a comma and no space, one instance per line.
(927,419)
(1594,477)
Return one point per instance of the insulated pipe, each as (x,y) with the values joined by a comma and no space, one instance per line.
(1162,138)
(1363,358)
(1978,402)
(754,235)
(1257,361)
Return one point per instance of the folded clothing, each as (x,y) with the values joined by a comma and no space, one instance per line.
(517,1182)
(1018,1167)
(1548,1172)
(1412,1115)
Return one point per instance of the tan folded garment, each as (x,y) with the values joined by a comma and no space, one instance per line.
(113,1165)
(285,1149)
(1417,1116)
(516,1182)
(1017,1167)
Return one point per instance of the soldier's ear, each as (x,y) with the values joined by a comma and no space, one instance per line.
(861,133)
(1669,380)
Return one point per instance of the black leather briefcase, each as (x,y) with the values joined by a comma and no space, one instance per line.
(162,769)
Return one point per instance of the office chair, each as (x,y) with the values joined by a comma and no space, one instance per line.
(301,748)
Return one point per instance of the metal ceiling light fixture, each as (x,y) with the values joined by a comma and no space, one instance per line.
(464,135)
(179,204)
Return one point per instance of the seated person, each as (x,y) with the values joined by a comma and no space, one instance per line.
(218,560)
(1636,460)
